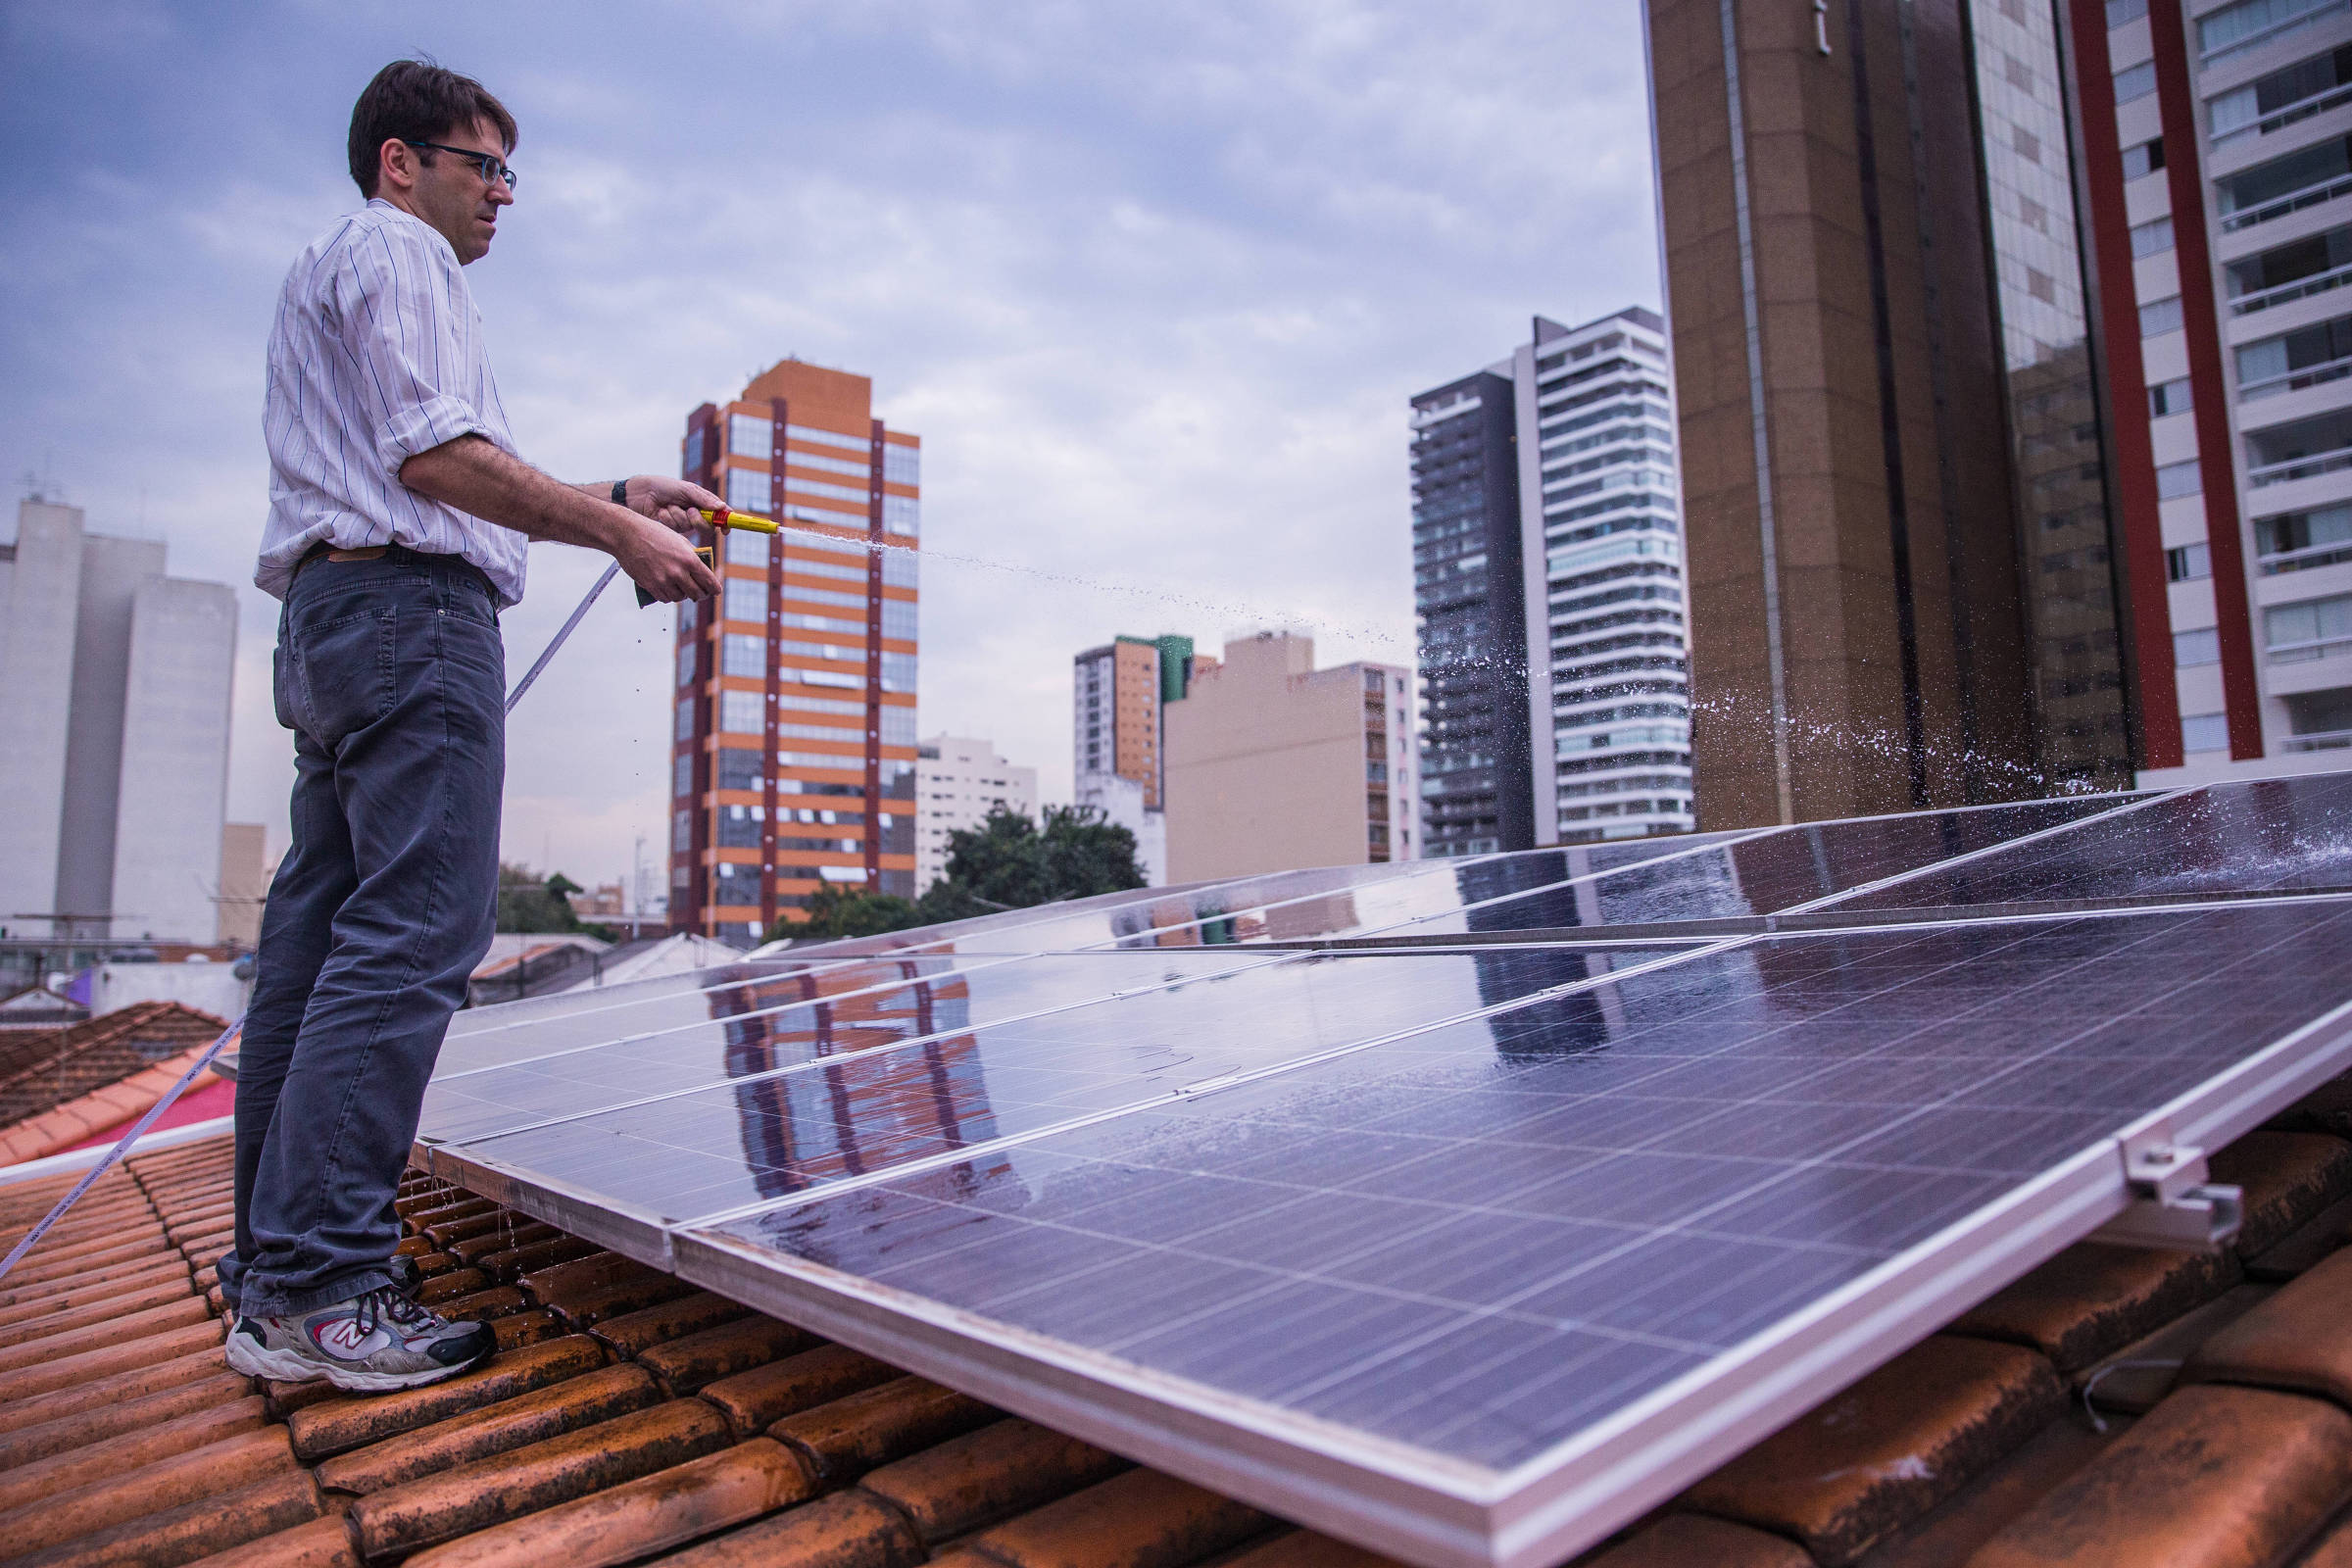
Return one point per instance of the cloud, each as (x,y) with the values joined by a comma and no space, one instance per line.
(1152,284)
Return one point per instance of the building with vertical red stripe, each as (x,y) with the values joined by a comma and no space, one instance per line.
(794,739)
(2217,160)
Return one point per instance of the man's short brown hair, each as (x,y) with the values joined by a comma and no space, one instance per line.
(415,100)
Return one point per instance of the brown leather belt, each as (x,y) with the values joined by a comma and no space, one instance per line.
(399,555)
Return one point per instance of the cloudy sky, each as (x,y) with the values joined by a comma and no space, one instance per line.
(1153,282)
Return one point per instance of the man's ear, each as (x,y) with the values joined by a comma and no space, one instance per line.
(397,164)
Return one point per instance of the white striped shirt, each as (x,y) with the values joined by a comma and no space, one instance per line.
(376,355)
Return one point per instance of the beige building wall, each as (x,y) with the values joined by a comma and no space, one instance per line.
(244,882)
(1270,761)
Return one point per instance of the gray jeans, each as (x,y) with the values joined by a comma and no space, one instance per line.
(390,672)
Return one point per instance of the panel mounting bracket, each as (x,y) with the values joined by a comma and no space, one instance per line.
(2173,1205)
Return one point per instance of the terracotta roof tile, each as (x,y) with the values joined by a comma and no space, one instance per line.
(321,1544)
(982,1477)
(477,1434)
(1890,1447)
(220,1466)
(751,1400)
(570,1449)
(2212,1478)
(2091,1299)
(2298,1341)
(1141,1519)
(847,1437)
(339,1424)
(2289,1178)
(639,1517)
(848,1530)
(633,1333)
(539,1474)
(1689,1540)
(683,1365)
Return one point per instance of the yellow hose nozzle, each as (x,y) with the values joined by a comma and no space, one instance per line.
(726,518)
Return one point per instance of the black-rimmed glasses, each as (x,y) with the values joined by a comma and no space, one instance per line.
(491,165)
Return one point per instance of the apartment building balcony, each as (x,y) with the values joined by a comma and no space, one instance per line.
(2312,180)
(2294,453)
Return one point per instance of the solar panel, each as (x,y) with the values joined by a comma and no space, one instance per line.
(1544,1183)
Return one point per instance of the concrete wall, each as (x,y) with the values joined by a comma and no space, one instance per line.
(112,570)
(1121,803)
(174,775)
(956,787)
(244,881)
(212,988)
(36,681)
(1266,764)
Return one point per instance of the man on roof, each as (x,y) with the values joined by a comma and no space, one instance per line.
(399,515)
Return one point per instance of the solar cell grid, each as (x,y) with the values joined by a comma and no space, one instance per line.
(1834,1101)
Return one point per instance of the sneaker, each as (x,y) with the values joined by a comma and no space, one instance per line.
(370,1343)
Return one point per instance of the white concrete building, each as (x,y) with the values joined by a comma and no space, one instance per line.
(1122,803)
(2240,242)
(958,781)
(115,685)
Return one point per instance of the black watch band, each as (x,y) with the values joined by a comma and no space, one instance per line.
(620,492)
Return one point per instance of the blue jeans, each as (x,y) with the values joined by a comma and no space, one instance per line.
(390,672)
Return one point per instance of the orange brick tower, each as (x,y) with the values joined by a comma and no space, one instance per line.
(794,738)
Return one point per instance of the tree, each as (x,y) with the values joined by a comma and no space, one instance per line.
(1009,862)
(1006,862)
(836,911)
(526,902)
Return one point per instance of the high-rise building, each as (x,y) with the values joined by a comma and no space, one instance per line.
(2217,164)
(1117,693)
(114,735)
(1274,764)
(795,735)
(1547,580)
(958,782)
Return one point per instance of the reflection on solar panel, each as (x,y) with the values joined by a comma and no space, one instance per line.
(1464,1209)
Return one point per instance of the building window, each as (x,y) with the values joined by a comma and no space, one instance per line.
(2251,22)
(901,465)
(2295,540)
(746,548)
(2201,647)
(2145,158)
(682,775)
(741,712)
(693,452)
(2176,479)
(2152,238)
(2120,12)
(750,436)
(2318,628)
(897,672)
(897,619)
(2204,732)
(898,726)
(748,489)
(2167,397)
(685,730)
(681,831)
(900,567)
(746,599)
(829,438)
(2136,82)
(685,663)
(2186,563)
(738,769)
(901,514)
(744,655)
(2159,317)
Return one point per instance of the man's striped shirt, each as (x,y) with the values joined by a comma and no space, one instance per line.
(376,355)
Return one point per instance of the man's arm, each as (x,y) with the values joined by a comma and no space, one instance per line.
(476,477)
(671,503)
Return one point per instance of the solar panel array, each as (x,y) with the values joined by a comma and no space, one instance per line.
(1465,1209)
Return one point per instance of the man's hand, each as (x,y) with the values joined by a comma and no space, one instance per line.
(474,477)
(672,503)
(664,564)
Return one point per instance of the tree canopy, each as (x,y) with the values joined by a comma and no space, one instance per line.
(1007,862)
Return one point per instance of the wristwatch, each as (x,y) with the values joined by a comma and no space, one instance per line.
(620,492)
